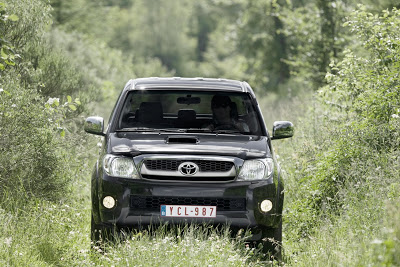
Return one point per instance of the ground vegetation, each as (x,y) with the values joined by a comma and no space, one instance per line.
(331,67)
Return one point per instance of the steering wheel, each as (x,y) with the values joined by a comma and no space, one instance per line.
(226,127)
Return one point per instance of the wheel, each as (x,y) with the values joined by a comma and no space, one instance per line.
(100,233)
(272,242)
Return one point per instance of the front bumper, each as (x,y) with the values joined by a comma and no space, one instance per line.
(138,201)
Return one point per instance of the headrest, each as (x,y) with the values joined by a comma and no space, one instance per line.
(220,101)
(150,112)
(186,115)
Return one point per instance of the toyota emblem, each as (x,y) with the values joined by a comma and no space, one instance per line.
(188,168)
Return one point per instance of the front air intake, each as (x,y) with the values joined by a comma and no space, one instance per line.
(182,140)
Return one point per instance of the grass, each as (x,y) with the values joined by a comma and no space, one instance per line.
(48,234)
(192,246)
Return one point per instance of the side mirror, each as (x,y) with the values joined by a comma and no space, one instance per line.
(282,129)
(94,125)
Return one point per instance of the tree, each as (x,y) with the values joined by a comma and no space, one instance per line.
(315,37)
(203,23)
(159,29)
(262,41)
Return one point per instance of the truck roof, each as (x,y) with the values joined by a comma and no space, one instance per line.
(179,83)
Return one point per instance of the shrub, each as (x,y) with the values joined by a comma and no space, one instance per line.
(30,163)
(363,103)
(34,158)
(367,90)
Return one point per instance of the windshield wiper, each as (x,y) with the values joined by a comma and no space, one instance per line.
(146,129)
(198,130)
(171,130)
(136,129)
(227,131)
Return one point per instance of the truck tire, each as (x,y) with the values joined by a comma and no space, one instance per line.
(100,233)
(272,242)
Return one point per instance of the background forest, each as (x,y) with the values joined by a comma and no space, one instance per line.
(330,66)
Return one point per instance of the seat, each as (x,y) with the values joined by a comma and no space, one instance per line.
(128,120)
(234,111)
(186,118)
(150,113)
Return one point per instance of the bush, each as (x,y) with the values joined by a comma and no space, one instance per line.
(366,88)
(359,135)
(31,165)
(35,158)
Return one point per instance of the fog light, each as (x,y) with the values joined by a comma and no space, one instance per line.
(266,205)
(109,202)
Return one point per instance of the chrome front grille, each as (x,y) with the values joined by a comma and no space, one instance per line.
(188,168)
(204,165)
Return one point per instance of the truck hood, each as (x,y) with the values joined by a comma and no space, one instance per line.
(241,146)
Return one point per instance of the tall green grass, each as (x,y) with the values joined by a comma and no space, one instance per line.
(188,245)
(42,233)
(358,225)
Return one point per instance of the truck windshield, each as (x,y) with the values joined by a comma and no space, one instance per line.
(190,111)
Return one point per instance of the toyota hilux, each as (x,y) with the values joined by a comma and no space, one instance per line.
(188,150)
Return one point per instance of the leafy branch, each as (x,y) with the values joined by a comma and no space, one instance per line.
(7,52)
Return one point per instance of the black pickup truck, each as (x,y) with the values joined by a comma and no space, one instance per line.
(188,150)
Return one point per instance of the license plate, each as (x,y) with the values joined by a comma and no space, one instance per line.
(188,211)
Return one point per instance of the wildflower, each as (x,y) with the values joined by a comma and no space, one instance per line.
(395,116)
(8,241)
(53,100)
(376,241)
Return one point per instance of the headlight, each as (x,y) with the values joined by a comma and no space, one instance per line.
(120,167)
(256,169)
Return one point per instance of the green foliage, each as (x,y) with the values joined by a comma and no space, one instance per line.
(342,167)
(361,132)
(161,34)
(36,159)
(93,18)
(31,165)
(186,245)
(7,53)
(369,86)
(386,250)
(202,24)
(45,233)
(33,21)
(262,42)
(222,58)
(314,36)
(367,90)
(41,66)
(53,72)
